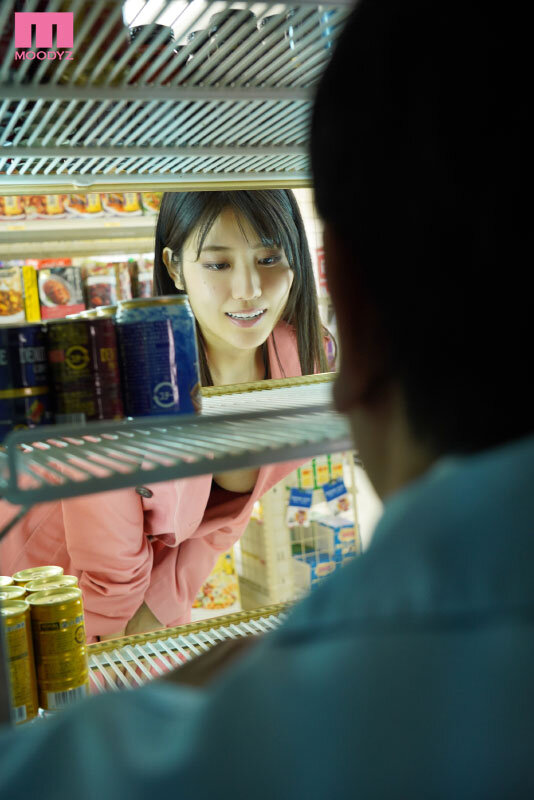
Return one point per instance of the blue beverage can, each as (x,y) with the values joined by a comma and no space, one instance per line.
(159,356)
(25,400)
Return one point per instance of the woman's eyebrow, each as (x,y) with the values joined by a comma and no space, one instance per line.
(219,247)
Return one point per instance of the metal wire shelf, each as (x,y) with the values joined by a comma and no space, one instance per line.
(133,660)
(142,110)
(235,431)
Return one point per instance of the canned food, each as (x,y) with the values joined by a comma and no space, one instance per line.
(159,356)
(60,650)
(59,582)
(36,573)
(84,368)
(106,311)
(12,593)
(5,580)
(24,385)
(16,622)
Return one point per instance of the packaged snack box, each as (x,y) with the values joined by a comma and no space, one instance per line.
(221,590)
(60,292)
(11,295)
(45,206)
(12,208)
(120,204)
(84,205)
(151,202)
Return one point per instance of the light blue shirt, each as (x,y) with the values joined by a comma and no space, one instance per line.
(408,674)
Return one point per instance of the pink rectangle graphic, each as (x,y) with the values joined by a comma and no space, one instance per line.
(44,22)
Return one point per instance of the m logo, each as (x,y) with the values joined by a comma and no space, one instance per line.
(44,23)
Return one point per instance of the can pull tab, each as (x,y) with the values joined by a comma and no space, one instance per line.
(143,491)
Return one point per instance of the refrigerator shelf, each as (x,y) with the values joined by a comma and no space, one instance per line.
(242,430)
(238,105)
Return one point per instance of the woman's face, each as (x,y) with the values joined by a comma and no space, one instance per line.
(237,287)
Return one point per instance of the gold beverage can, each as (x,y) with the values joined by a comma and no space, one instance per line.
(59,582)
(16,621)
(35,573)
(12,593)
(5,580)
(60,649)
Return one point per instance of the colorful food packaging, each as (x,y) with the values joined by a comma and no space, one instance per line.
(120,204)
(100,285)
(298,509)
(336,496)
(221,590)
(45,206)
(84,205)
(60,292)
(141,274)
(11,295)
(12,208)
(151,202)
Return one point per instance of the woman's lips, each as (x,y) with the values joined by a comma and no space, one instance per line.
(247,323)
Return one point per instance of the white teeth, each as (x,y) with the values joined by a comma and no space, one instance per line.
(245,316)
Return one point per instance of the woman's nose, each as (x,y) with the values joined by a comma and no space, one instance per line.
(246,283)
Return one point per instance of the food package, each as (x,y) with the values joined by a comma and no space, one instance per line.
(104,284)
(151,202)
(60,291)
(298,509)
(12,208)
(343,533)
(321,471)
(121,204)
(45,206)
(336,496)
(221,590)
(142,272)
(100,285)
(84,205)
(305,476)
(11,296)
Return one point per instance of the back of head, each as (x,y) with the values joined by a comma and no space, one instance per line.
(419,157)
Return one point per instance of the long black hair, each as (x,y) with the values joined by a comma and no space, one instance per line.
(275,216)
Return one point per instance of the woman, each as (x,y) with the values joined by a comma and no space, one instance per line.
(142,554)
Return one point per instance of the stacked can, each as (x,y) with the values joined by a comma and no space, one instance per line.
(5,580)
(60,649)
(12,592)
(24,391)
(16,622)
(159,356)
(82,354)
(36,573)
(61,582)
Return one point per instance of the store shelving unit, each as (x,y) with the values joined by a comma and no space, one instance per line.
(237,117)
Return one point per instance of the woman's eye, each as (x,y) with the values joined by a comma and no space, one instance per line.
(216,267)
(269,261)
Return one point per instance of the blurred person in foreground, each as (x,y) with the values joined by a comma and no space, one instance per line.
(410,672)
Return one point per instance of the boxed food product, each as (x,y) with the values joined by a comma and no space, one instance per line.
(31,293)
(151,202)
(120,204)
(343,534)
(11,295)
(45,206)
(105,283)
(60,291)
(84,205)
(100,285)
(141,273)
(308,570)
(12,208)
(221,590)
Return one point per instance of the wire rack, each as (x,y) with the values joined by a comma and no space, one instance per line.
(223,109)
(245,429)
(133,660)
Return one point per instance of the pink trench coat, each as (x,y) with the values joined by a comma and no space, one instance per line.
(126,549)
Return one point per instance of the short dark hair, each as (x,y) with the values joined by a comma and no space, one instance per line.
(419,152)
(275,216)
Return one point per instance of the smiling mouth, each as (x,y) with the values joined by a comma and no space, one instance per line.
(246,316)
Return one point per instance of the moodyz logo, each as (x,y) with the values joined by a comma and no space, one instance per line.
(44,23)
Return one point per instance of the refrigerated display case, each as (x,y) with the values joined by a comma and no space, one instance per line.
(198,116)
